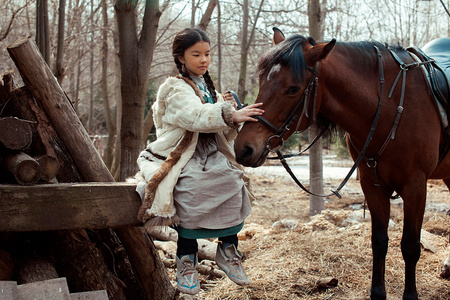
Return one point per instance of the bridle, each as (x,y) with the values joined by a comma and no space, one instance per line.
(279,132)
(302,104)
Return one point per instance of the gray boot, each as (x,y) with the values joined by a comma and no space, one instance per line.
(230,261)
(187,275)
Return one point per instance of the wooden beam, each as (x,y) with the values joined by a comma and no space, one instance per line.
(43,207)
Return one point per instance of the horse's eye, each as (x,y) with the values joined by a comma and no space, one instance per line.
(293,90)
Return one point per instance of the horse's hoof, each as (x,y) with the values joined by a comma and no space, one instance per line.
(377,294)
(410,296)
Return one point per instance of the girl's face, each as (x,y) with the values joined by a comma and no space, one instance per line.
(196,58)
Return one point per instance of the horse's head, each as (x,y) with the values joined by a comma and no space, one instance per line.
(287,83)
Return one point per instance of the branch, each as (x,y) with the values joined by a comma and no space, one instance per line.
(8,29)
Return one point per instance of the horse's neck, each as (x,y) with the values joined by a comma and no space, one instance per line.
(351,84)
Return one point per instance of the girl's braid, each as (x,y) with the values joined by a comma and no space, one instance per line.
(184,73)
(210,85)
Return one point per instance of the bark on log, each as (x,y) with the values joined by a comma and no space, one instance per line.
(47,207)
(90,272)
(49,167)
(24,168)
(15,134)
(143,256)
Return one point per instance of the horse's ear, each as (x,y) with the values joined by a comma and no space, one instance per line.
(322,50)
(278,36)
(312,41)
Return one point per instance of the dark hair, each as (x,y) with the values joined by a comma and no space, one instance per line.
(183,40)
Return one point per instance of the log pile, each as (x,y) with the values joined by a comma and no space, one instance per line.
(42,141)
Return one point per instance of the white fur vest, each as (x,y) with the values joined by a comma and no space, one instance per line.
(179,115)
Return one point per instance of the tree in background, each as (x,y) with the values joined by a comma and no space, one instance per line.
(135,55)
(316,203)
(43,29)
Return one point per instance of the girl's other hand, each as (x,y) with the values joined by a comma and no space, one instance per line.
(230,99)
(245,114)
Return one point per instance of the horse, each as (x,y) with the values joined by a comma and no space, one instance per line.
(397,132)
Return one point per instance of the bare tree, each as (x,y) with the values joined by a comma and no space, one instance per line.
(245,46)
(59,69)
(206,18)
(43,29)
(316,203)
(108,154)
(136,55)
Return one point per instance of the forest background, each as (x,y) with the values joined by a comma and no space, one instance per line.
(111,55)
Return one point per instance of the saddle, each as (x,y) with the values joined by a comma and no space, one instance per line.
(437,72)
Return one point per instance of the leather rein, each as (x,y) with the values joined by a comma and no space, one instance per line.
(303,103)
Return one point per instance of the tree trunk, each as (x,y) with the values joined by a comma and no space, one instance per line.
(59,70)
(108,156)
(90,125)
(136,55)
(244,52)
(43,29)
(245,46)
(219,46)
(206,18)
(316,203)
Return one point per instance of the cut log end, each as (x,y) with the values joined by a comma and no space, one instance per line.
(24,168)
(15,134)
(49,167)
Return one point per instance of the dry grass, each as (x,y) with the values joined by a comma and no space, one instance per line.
(286,264)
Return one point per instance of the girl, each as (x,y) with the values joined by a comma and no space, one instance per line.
(190,175)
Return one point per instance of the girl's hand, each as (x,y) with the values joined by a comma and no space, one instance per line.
(230,99)
(245,114)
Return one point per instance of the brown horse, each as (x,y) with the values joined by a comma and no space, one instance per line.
(301,81)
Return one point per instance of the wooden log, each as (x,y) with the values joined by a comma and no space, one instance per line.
(34,268)
(8,81)
(24,168)
(49,167)
(142,253)
(15,134)
(43,207)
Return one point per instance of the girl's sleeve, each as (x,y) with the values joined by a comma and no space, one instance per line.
(184,109)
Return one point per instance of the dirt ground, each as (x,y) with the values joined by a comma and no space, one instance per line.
(287,252)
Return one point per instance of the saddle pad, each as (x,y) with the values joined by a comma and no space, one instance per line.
(439,50)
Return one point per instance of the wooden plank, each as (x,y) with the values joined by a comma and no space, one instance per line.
(45,207)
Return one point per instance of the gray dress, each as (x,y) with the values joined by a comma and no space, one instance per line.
(210,192)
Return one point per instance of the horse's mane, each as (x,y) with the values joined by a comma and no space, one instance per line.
(287,53)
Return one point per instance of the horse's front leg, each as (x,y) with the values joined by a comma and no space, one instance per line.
(379,207)
(414,197)
(446,266)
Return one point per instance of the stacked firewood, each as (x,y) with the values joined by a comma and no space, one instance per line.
(26,163)
(43,142)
